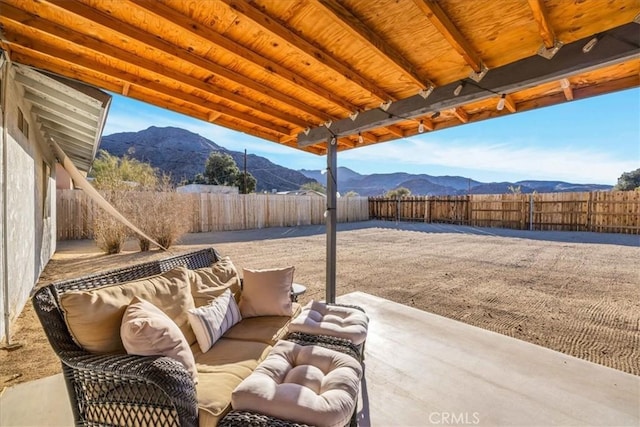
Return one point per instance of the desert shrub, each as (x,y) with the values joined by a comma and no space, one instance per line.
(163,215)
(148,201)
(109,233)
(171,213)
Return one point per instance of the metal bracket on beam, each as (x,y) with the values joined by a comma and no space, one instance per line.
(616,46)
(476,77)
(426,92)
(550,52)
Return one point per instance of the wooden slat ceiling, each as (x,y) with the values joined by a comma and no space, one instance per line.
(277,69)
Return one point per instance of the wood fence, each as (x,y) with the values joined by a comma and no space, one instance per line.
(609,212)
(219,212)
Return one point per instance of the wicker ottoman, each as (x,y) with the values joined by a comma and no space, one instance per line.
(304,384)
(334,320)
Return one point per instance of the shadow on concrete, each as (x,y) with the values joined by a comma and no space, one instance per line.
(314,230)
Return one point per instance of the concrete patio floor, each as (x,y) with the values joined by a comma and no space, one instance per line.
(422,369)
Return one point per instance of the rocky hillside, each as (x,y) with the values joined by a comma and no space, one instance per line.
(183,154)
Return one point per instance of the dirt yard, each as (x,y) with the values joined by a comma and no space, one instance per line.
(578,298)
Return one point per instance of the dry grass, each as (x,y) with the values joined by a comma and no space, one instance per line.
(577,298)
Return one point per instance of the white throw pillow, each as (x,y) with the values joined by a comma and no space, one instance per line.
(147,331)
(211,321)
(267,292)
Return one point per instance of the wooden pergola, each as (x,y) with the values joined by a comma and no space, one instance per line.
(330,75)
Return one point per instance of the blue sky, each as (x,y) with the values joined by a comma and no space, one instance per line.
(587,141)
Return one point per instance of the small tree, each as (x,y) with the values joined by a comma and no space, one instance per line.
(351,194)
(251,183)
(199,179)
(314,186)
(397,193)
(628,181)
(221,169)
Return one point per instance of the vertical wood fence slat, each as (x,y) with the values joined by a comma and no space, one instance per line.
(219,212)
(610,212)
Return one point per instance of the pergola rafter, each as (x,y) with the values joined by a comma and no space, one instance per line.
(359,30)
(450,32)
(341,67)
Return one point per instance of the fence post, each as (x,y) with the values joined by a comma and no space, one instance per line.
(589,215)
(531,212)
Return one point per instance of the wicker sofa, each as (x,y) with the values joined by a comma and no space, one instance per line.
(123,390)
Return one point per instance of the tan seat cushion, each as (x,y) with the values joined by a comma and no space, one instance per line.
(266,292)
(336,321)
(147,331)
(265,329)
(210,282)
(305,384)
(94,317)
(220,370)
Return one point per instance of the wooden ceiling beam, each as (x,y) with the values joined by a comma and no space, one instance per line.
(130,32)
(359,30)
(54,30)
(51,105)
(443,24)
(565,84)
(544,25)
(48,63)
(59,117)
(395,130)
(427,123)
(614,47)
(71,131)
(510,104)
(277,28)
(462,115)
(245,54)
(65,102)
(83,61)
(125,89)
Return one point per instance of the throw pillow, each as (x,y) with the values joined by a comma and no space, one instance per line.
(266,292)
(211,321)
(210,282)
(147,331)
(94,316)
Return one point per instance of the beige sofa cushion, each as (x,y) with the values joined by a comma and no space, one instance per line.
(318,318)
(266,292)
(94,317)
(265,329)
(210,321)
(147,331)
(210,282)
(305,384)
(220,370)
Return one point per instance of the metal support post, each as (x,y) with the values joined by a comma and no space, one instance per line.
(332,190)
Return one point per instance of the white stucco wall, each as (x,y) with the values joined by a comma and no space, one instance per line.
(29,228)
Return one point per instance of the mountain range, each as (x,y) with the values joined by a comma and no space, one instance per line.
(183,154)
(422,184)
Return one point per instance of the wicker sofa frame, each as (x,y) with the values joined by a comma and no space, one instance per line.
(125,390)
(120,389)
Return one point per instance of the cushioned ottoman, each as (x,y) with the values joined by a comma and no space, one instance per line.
(335,320)
(304,384)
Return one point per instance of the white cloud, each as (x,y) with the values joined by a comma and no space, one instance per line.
(509,158)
